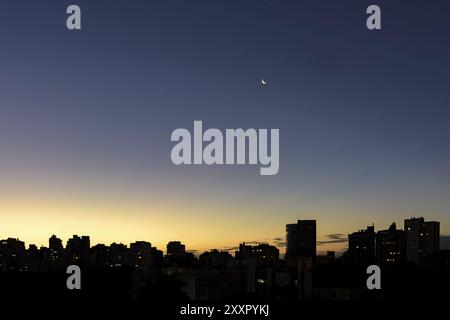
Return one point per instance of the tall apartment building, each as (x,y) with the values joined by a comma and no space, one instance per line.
(422,239)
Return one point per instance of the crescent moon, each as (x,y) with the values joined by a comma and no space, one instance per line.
(263,82)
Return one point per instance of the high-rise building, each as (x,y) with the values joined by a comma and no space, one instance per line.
(262,252)
(78,249)
(32,262)
(300,241)
(176,251)
(391,245)
(55,243)
(141,255)
(120,255)
(422,239)
(56,251)
(12,254)
(99,256)
(361,246)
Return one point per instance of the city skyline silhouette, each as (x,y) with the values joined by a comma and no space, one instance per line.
(337,242)
(141,273)
(279,243)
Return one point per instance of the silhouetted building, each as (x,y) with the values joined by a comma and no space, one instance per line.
(176,251)
(391,246)
(120,255)
(141,255)
(157,257)
(215,258)
(361,246)
(78,249)
(99,256)
(12,255)
(54,243)
(263,252)
(56,253)
(422,239)
(175,248)
(32,260)
(300,241)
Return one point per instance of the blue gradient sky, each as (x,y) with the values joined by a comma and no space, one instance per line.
(86,117)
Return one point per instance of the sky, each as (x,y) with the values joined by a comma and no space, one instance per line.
(86,118)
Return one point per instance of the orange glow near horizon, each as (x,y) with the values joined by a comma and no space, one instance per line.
(35,220)
(202,223)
